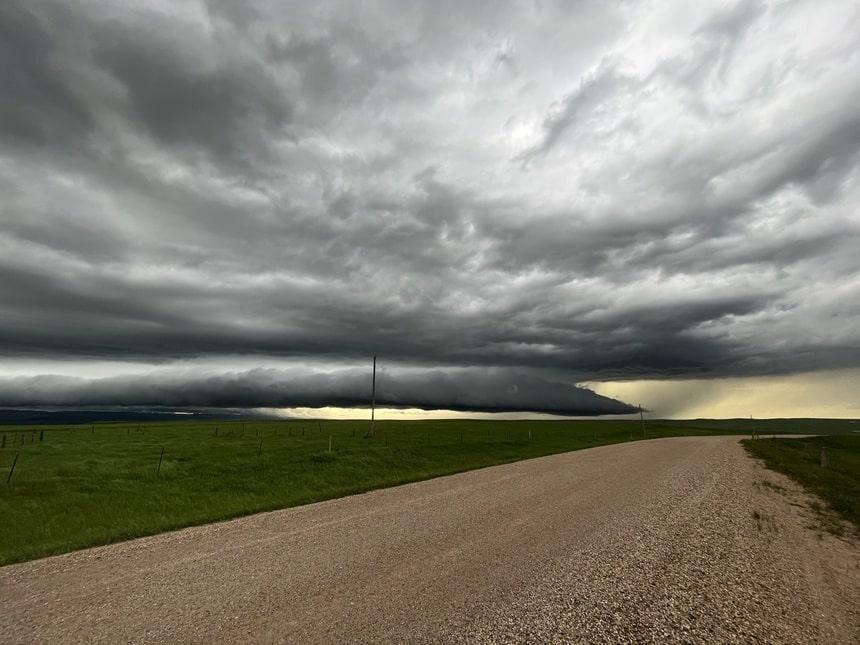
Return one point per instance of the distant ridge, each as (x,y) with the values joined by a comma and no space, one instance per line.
(61,416)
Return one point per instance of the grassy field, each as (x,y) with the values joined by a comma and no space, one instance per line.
(838,484)
(79,486)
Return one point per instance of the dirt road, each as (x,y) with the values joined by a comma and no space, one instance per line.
(673,540)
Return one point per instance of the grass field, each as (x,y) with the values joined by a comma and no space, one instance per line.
(838,484)
(79,486)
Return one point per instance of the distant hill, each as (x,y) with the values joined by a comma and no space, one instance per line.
(69,416)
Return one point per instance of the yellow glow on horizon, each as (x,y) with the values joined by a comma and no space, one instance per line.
(396,414)
(831,394)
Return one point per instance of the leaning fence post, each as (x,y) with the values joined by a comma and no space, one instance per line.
(12,470)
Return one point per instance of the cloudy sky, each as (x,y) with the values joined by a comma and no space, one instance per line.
(562,207)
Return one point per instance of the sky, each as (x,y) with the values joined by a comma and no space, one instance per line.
(568,208)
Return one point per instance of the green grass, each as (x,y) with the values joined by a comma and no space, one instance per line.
(800,459)
(87,485)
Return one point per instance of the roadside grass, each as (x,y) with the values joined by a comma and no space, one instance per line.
(771,427)
(80,486)
(765,522)
(838,484)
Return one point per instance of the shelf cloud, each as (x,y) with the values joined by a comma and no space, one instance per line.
(463,390)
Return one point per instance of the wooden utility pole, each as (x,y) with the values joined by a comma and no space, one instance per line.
(642,419)
(372,432)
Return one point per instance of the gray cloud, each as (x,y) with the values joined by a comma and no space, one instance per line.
(579,109)
(465,390)
(220,109)
(42,107)
(602,192)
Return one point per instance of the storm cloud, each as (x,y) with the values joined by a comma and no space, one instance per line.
(476,390)
(508,195)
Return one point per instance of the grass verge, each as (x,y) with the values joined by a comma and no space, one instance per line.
(838,484)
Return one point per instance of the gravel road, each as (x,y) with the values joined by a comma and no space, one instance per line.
(663,541)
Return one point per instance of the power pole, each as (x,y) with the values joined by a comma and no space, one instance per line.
(372,432)
(642,419)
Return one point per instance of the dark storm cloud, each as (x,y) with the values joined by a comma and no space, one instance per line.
(220,109)
(40,105)
(600,191)
(470,390)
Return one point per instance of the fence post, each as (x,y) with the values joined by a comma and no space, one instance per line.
(12,470)
(825,459)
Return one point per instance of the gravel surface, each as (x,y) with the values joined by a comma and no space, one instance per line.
(663,541)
